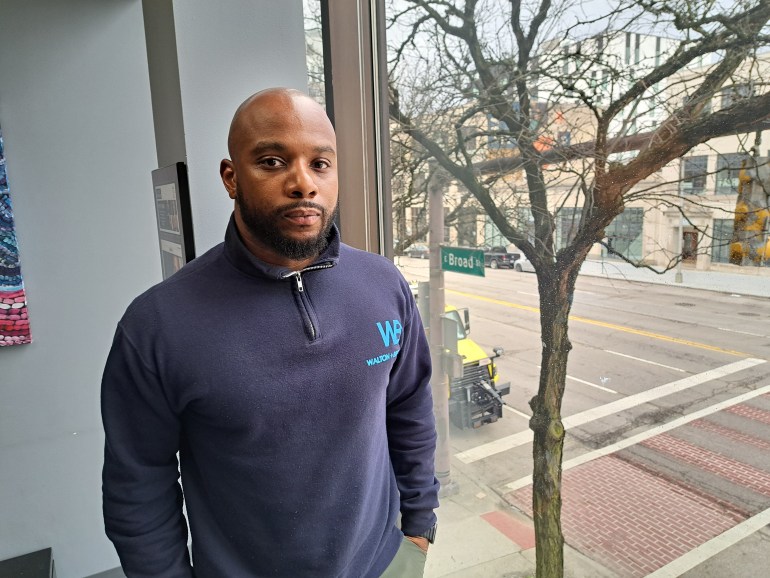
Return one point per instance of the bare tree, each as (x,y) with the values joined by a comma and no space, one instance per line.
(586,117)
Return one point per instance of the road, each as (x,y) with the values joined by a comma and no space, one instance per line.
(667,410)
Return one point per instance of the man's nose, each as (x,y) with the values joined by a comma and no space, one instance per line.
(301,184)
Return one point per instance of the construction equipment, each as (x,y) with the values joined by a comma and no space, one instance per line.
(475,396)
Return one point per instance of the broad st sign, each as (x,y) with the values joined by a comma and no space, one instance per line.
(461,260)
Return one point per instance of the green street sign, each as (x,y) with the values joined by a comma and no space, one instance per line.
(460,260)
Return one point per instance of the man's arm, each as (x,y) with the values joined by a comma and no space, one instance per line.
(412,431)
(142,497)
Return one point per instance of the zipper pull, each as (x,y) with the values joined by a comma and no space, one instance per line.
(298,277)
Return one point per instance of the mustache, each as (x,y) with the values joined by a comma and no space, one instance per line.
(300,205)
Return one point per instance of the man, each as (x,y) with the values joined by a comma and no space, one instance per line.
(289,371)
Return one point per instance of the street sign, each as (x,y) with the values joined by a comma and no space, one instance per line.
(460,260)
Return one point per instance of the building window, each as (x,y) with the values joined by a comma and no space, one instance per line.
(624,234)
(420,224)
(567,223)
(628,48)
(732,94)
(728,169)
(694,170)
(499,135)
(720,245)
(637,51)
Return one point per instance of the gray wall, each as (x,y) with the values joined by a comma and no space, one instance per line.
(224,56)
(76,113)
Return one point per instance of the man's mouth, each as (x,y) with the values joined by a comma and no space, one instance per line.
(303,216)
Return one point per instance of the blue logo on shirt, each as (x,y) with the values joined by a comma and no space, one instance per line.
(391,332)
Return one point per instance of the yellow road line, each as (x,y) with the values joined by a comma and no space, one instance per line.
(614,326)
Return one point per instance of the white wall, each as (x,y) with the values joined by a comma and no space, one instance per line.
(77,124)
(77,118)
(226,52)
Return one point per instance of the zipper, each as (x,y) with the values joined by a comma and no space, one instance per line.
(303,303)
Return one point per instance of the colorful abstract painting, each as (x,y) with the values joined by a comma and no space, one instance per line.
(14,323)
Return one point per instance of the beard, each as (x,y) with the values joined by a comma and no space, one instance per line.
(265,229)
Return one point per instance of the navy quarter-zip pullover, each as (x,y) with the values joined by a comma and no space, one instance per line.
(299,404)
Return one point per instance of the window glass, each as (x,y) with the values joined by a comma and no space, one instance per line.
(314,53)
(728,170)
(720,248)
(694,171)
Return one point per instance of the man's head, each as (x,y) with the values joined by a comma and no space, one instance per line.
(282,174)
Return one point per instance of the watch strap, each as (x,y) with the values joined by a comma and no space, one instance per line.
(429,534)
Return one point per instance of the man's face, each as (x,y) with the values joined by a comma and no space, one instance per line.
(283,177)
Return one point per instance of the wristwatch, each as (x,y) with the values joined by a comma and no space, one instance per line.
(430,534)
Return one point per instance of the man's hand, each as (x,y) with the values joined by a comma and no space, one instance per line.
(422,543)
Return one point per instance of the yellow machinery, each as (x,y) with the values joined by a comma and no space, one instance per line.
(475,398)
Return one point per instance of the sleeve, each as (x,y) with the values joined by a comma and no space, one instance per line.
(142,498)
(412,429)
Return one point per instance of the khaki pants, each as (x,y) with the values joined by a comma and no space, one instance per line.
(408,563)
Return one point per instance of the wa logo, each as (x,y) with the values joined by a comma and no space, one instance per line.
(390,332)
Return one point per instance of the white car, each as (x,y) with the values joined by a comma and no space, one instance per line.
(523,264)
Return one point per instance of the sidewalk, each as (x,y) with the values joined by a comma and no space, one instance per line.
(754,281)
(481,536)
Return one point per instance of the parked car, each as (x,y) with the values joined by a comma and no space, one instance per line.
(523,264)
(499,258)
(418,251)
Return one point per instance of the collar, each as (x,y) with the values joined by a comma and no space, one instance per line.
(245,261)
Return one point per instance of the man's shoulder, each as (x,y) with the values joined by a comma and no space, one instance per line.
(187,281)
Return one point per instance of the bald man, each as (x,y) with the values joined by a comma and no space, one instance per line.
(290,374)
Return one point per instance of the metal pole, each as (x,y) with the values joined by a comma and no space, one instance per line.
(440,381)
(680,229)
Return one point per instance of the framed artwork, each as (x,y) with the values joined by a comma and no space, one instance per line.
(172,208)
(14,322)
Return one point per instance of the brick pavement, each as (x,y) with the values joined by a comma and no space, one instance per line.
(751,412)
(633,519)
(629,519)
(725,432)
(727,468)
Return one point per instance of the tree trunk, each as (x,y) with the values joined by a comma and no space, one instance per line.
(555,301)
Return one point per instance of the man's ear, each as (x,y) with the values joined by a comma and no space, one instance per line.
(227,172)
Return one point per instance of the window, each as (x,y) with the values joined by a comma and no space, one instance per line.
(694,171)
(720,244)
(567,223)
(636,49)
(628,48)
(624,234)
(728,169)
(499,135)
(420,223)
(732,94)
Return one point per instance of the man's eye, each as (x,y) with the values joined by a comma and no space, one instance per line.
(271,162)
(321,165)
